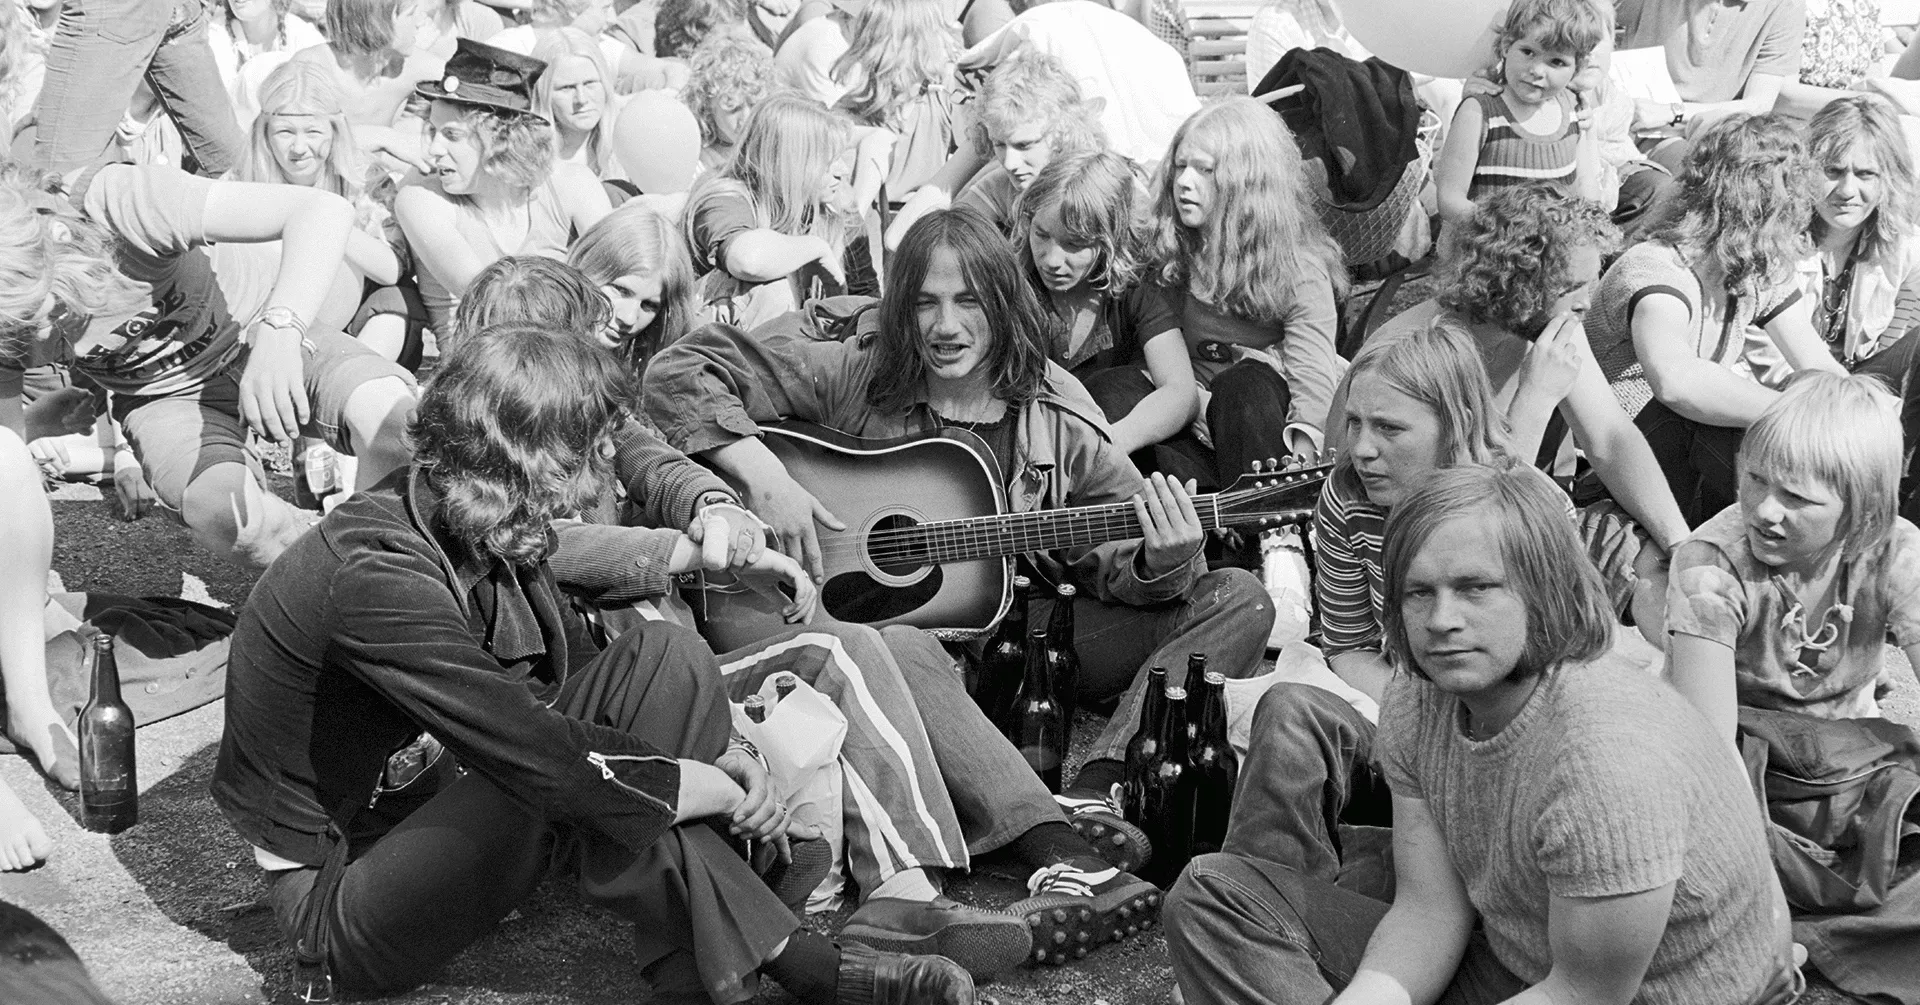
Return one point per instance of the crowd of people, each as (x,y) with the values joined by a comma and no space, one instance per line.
(516,289)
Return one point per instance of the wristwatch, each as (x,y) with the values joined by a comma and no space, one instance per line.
(279,317)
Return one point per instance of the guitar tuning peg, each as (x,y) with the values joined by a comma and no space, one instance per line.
(1256,466)
(1273,464)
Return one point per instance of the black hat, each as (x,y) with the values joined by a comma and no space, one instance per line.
(487,77)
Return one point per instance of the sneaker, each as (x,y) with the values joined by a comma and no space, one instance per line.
(870,977)
(1073,909)
(1285,574)
(1098,821)
(986,943)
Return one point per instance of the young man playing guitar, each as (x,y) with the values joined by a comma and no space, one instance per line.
(954,342)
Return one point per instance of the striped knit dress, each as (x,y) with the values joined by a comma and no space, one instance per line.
(1510,155)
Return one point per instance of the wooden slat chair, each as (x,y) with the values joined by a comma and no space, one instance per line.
(1217,55)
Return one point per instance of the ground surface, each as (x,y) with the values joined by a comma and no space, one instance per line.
(170,911)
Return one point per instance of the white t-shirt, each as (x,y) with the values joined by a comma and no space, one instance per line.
(805,61)
(1143,80)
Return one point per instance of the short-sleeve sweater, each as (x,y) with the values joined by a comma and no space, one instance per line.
(1511,156)
(1719,591)
(1716,325)
(1606,783)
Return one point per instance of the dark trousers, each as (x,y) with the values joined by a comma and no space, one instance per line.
(1896,366)
(1697,459)
(1245,416)
(448,872)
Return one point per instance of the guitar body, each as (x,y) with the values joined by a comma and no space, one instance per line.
(877,486)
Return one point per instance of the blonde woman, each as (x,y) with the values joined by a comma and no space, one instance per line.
(494,189)
(577,95)
(898,71)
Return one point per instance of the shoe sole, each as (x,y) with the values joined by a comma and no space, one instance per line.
(1065,927)
(1119,843)
(984,949)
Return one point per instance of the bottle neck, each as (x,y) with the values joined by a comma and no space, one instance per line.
(1174,738)
(1039,667)
(106,672)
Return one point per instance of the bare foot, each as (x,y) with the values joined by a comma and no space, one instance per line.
(23,842)
(46,734)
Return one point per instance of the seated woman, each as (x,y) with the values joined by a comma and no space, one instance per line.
(1813,545)
(302,137)
(1533,858)
(772,224)
(640,263)
(1081,236)
(1255,280)
(494,189)
(118,281)
(577,95)
(1865,277)
(1670,318)
(1518,277)
(728,75)
(898,75)
(386,861)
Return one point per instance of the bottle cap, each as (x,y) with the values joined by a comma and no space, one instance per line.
(1156,668)
(1177,693)
(1067,590)
(101,640)
(1216,677)
(1196,659)
(1021,582)
(1038,634)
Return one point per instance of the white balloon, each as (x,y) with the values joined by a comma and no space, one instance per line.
(1440,38)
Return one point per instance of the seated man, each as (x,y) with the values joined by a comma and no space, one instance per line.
(943,781)
(1565,829)
(432,603)
(957,342)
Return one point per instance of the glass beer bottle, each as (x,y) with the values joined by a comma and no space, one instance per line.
(109,787)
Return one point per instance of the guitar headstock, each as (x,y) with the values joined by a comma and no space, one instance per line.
(1274,493)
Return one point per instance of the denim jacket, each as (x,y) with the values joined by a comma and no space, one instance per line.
(379,624)
(716,386)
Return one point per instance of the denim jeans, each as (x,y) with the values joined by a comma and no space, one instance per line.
(1245,932)
(99,53)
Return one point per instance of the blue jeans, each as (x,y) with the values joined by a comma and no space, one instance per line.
(1245,931)
(99,53)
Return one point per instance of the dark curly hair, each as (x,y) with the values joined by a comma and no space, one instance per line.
(1508,262)
(510,432)
(681,25)
(1745,201)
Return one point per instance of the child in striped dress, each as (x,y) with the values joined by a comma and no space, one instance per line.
(1529,130)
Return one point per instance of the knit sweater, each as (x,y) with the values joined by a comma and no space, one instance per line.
(1510,155)
(1606,783)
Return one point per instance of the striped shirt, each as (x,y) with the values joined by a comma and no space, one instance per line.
(1510,155)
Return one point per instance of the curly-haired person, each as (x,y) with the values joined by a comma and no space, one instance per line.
(1518,279)
(1670,319)
(495,189)
(728,74)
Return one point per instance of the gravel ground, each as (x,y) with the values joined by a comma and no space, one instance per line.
(171,911)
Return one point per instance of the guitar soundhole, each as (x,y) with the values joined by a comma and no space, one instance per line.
(895,557)
(857,597)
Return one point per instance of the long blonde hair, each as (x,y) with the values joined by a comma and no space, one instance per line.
(554,45)
(898,49)
(789,144)
(1263,233)
(299,87)
(53,262)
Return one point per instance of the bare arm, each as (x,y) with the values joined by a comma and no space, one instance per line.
(427,219)
(581,195)
(1453,169)
(1169,407)
(763,255)
(1696,388)
(1417,947)
(372,258)
(1792,331)
(1702,670)
(1601,947)
(1620,455)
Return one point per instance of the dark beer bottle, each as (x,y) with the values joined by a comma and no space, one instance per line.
(756,708)
(1215,766)
(109,789)
(784,685)
(1167,797)
(1196,675)
(1066,677)
(1005,658)
(1040,731)
(1145,745)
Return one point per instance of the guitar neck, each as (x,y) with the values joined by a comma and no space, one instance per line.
(1017,533)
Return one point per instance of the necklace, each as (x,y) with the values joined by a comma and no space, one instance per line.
(1836,301)
(1810,646)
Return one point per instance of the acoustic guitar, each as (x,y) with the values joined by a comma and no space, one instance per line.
(929,541)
